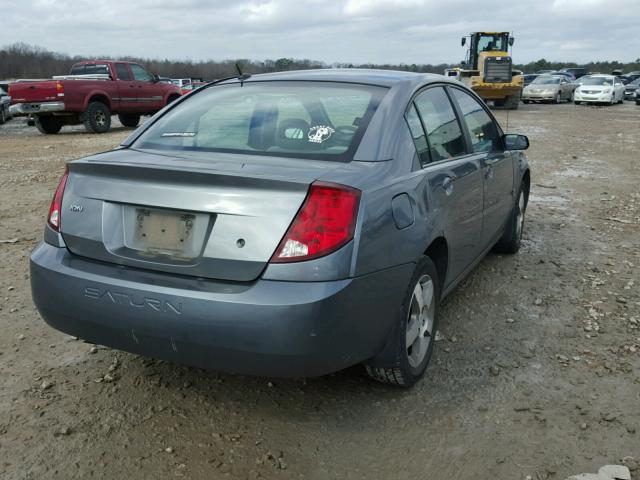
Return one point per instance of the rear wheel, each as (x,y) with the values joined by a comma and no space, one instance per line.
(3,115)
(97,118)
(511,239)
(130,120)
(48,124)
(413,337)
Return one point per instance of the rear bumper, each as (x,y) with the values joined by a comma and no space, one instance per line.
(36,108)
(270,328)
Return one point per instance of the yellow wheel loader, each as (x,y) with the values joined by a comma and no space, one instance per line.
(488,71)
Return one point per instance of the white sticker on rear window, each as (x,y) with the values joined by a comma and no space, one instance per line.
(319,133)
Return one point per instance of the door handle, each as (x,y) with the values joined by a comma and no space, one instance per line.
(447,184)
(491,161)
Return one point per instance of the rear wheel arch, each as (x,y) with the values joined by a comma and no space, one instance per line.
(438,251)
(98,97)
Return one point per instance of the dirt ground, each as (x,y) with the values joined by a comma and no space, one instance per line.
(537,374)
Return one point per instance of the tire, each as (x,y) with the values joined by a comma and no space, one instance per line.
(613,99)
(576,102)
(512,237)
(408,363)
(512,102)
(130,120)
(3,116)
(558,99)
(48,124)
(97,118)
(171,99)
(525,101)
(637,102)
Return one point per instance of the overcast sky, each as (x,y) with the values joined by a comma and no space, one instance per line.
(358,31)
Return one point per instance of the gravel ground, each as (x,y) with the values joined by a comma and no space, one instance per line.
(537,374)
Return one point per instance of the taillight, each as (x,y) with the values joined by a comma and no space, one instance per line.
(325,222)
(55,209)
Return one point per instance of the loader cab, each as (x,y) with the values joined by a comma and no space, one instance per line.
(491,42)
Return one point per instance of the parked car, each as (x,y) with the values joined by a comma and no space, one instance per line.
(254,226)
(576,72)
(5,103)
(548,88)
(567,75)
(90,94)
(599,89)
(630,77)
(189,87)
(529,77)
(630,89)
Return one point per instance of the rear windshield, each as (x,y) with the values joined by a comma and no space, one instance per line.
(546,80)
(90,69)
(317,120)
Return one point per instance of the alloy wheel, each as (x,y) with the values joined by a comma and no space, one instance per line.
(420,321)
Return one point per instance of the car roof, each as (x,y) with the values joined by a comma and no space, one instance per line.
(385,78)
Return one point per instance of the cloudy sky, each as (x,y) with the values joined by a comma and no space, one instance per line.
(359,31)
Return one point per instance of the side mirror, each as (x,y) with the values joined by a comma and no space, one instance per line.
(511,40)
(156,78)
(463,42)
(515,142)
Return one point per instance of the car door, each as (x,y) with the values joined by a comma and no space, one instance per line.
(127,89)
(454,178)
(497,165)
(565,93)
(149,93)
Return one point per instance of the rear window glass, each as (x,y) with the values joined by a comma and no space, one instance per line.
(319,120)
(90,69)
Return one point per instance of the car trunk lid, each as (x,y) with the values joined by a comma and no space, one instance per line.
(214,216)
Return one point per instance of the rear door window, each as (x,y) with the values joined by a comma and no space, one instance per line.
(482,129)
(443,130)
(123,71)
(418,135)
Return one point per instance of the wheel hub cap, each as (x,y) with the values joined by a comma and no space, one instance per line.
(419,332)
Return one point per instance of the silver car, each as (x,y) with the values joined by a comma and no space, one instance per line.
(288,224)
(549,88)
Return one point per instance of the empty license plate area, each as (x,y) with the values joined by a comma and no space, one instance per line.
(164,232)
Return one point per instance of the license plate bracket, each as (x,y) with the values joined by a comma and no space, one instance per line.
(164,232)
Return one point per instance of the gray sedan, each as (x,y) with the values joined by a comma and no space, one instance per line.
(549,88)
(288,224)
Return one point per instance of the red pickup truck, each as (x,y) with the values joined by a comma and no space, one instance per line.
(90,94)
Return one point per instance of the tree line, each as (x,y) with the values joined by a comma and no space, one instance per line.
(21,60)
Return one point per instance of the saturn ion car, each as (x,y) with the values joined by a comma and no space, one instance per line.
(288,224)
(549,88)
(599,89)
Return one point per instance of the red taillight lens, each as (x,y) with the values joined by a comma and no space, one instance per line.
(55,210)
(326,221)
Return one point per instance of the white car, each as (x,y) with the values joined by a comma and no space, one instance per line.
(599,89)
